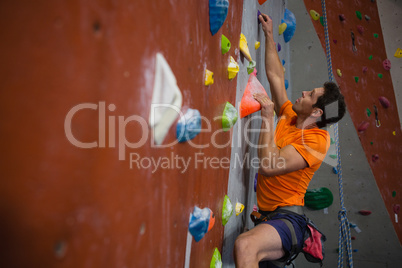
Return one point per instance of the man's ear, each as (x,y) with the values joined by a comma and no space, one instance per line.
(317,112)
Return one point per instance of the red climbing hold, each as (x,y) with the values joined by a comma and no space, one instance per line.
(384,102)
(261,1)
(386,64)
(396,208)
(365,212)
(360,29)
(353,237)
(365,69)
(375,157)
(363,126)
(342,17)
(248,104)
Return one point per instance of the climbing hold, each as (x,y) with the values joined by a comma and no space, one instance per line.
(216,261)
(370,57)
(279,47)
(335,41)
(380,75)
(229,116)
(284,71)
(255,182)
(188,125)
(342,17)
(363,126)
(290,20)
(398,53)
(322,21)
(250,67)
(282,27)
(314,15)
(339,72)
(227,210)
(248,104)
(393,193)
(233,68)
(201,221)
(261,1)
(355,250)
(225,44)
(365,69)
(257,45)
(396,208)
(286,84)
(333,156)
(332,141)
(334,170)
(218,10)
(208,78)
(371,142)
(368,112)
(239,208)
(367,17)
(318,198)
(375,157)
(356,79)
(165,92)
(258,17)
(386,64)
(283,62)
(365,212)
(375,35)
(353,237)
(377,121)
(360,29)
(255,208)
(384,102)
(244,47)
(394,133)
(359,15)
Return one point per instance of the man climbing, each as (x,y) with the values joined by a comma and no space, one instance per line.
(301,145)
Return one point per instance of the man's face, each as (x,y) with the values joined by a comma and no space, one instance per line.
(304,104)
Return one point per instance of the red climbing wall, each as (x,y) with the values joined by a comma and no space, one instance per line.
(64,206)
(384,140)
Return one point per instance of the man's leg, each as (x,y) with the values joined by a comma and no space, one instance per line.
(260,243)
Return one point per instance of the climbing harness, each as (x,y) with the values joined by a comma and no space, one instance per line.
(344,241)
(313,240)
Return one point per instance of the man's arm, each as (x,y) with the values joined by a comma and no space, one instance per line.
(273,66)
(274,161)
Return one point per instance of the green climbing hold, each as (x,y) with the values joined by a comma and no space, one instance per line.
(332,141)
(227,210)
(368,112)
(250,67)
(380,75)
(376,35)
(359,15)
(225,44)
(333,156)
(322,21)
(393,193)
(370,57)
(371,142)
(356,79)
(229,116)
(216,261)
(318,198)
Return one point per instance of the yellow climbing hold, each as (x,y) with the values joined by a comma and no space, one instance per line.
(244,47)
(257,45)
(338,72)
(209,77)
(398,53)
(233,68)
(284,70)
(314,14)
(239,208)
(394,133)
(282,28)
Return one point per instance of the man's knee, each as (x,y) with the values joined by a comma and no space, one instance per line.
(243,246)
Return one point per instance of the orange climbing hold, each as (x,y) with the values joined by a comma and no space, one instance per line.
(248,104)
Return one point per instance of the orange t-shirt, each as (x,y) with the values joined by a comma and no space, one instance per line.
(289,189)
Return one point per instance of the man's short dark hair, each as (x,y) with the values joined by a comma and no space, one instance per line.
(332,104)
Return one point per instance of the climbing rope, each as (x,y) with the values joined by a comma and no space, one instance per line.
(344,240)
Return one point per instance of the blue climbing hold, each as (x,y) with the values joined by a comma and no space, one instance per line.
(218,10)
(279,47)
(188,126)
(286,84)
(201,221)
(335,170)
(290,20)
(283,62)
(255,182)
